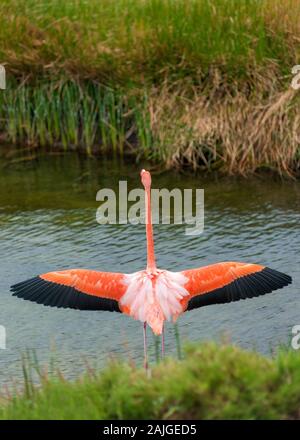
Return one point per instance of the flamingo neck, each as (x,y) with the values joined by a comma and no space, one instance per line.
(151,264)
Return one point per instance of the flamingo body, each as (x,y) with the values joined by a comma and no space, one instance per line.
(154,297)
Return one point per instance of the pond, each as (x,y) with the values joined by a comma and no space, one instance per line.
(48,222)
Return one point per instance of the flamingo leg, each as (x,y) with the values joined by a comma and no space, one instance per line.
(145,347)
(163,343)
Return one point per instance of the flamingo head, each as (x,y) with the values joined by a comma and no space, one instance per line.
(146,179)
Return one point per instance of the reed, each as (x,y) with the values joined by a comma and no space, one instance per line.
(169,125)
(235,133)
(70,115)
(203,84)
(178,342)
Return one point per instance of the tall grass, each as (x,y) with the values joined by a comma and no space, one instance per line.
(236,134)
(211,382)
(70,115)
(203,84)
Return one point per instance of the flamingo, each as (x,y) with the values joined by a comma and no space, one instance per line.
(151,295)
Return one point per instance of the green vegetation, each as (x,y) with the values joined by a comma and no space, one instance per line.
(211,382)
(133,41)
(69,116)
(203,84)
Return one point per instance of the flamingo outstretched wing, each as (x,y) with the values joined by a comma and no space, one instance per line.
(75,288)
(230,281)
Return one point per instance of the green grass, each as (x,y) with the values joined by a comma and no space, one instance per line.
(211,382)
(198,84)
(129,41)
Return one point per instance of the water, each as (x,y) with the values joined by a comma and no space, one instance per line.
(47,222)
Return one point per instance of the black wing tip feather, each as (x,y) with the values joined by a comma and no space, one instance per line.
(57,295)
(256,284)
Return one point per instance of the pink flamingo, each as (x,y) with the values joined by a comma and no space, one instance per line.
(151,295)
